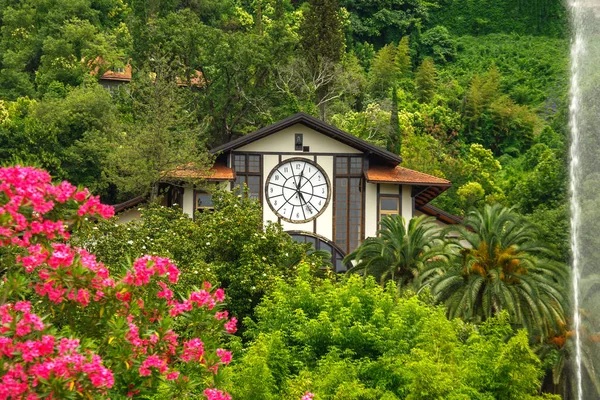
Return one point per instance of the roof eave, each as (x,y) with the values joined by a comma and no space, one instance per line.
(445,185)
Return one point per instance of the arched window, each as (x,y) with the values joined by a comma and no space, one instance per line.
(321,243)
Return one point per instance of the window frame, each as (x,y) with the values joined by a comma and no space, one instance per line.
(349,174)
(200,192)
(337,253)
(382,213)
(243,175)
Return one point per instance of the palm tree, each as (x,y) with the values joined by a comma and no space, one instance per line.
(502,265)
(398,253)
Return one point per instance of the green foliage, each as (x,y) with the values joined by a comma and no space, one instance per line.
(229,246)
(478,17)
(247,256)
(398,252)
(357,340)
(383,71)
(471,193)
(136,164)
(322,34)
(502,264)
(483,167)
(382,22)
(439,44)
(160,231)
(68,136)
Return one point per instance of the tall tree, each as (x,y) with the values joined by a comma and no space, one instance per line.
(403,63)
(384,72)
(322,39)
(425,80)
(394,139)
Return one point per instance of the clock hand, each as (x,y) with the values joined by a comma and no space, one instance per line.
(302,197)
(302,208)
(301,176)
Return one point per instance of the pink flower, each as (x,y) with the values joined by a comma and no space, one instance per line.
(173,375)
(153,361)
(221,315)
(224,355)
(83,297)
(193,350)
(165,293)
(230,326)
(215,394)
(81,195)
(308,396)
(220,295)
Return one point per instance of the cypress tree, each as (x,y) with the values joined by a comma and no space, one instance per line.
(322,32)
(425,79)
(403,58)
(322,40)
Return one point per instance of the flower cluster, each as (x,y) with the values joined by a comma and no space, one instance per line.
(35,361)
(147,266)
(308,396)
(58,362)
(214,394)
(31,195)
(56,279)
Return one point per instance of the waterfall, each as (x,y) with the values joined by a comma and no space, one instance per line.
(584,171)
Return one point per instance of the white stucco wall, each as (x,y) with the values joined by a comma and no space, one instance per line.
(270,161)
(371,217)
(325,220)
(128,215)
(407,204)
(283,141)
(188,201)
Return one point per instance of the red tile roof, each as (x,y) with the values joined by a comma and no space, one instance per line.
(124,76)
(218,172)
(398,174)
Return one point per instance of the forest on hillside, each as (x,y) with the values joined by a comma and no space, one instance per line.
(470,90)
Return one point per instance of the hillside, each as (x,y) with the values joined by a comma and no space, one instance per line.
(468,90)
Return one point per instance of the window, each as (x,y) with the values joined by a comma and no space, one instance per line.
(319,244)
(348,202)
(388,205)
(248,169)
(204,201)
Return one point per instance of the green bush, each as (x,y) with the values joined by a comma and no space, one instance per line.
(229,246)
(357,340)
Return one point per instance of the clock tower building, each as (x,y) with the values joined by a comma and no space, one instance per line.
(323,185)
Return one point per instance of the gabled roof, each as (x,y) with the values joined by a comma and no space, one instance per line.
(317,125)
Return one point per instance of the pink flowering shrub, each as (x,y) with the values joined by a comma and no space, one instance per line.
(128,344)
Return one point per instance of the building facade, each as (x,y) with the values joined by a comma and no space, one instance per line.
(323,185)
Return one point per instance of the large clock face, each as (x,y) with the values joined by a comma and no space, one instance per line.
(297,190)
